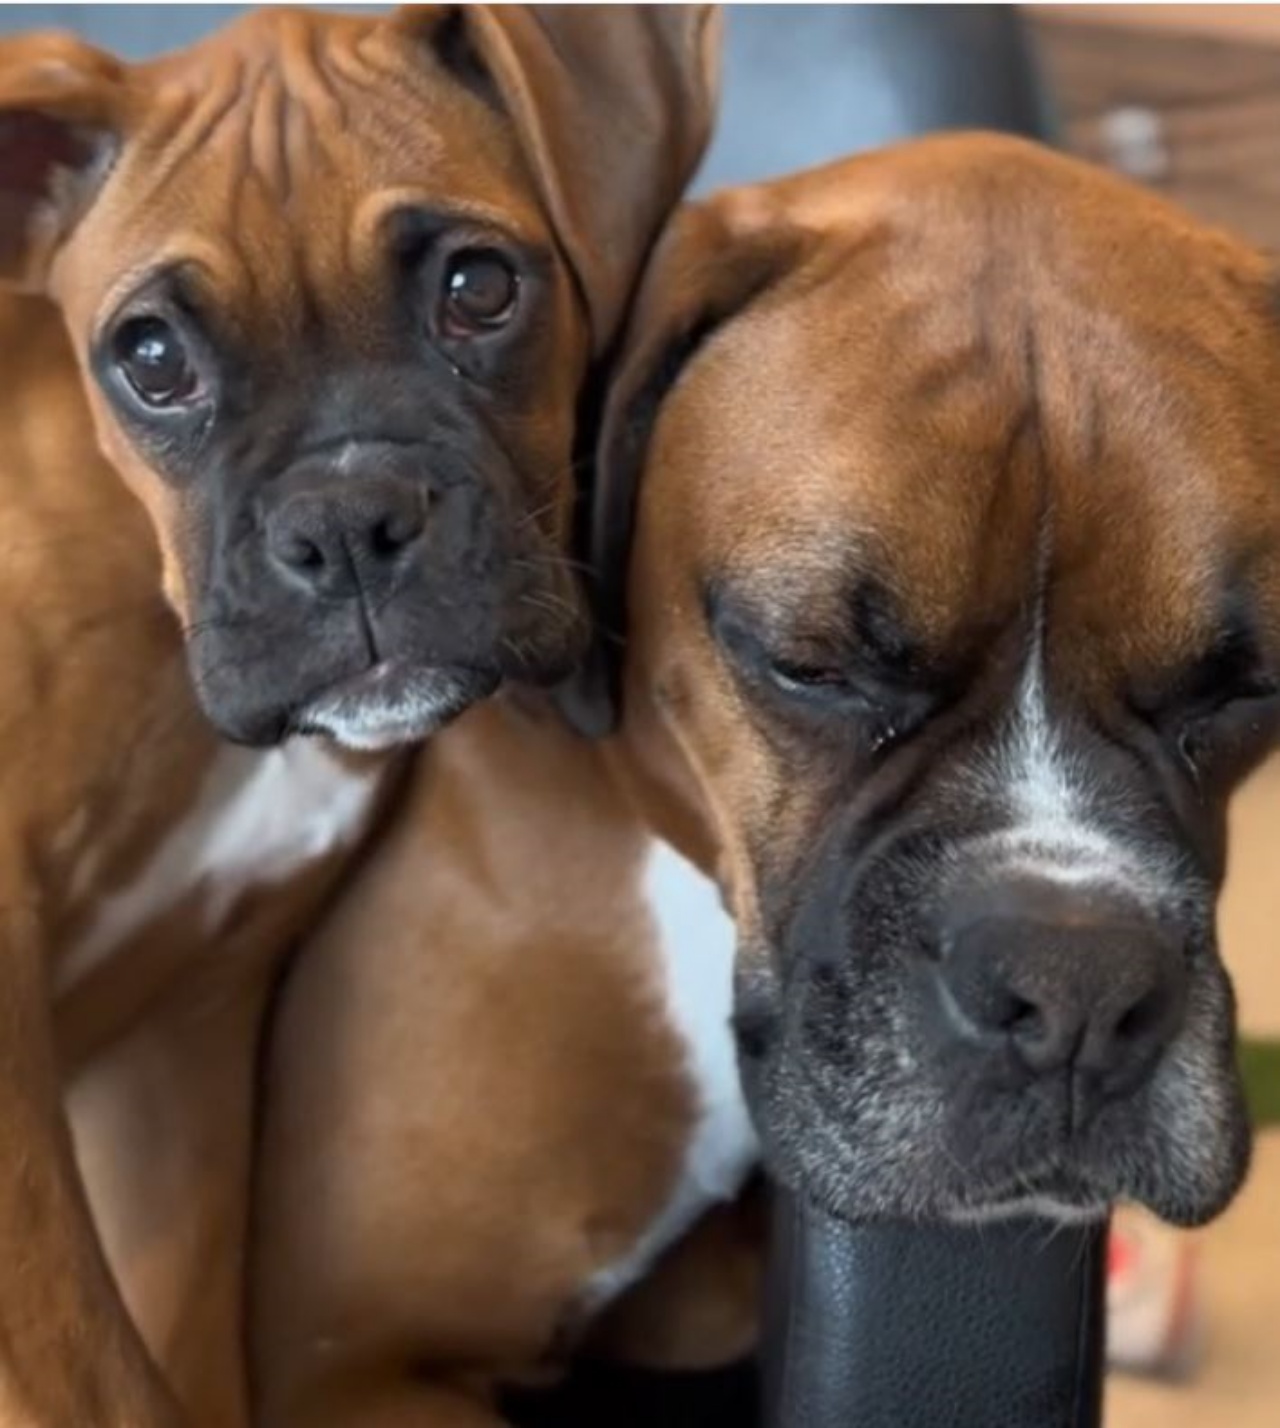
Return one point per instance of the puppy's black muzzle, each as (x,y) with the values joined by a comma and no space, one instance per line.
(354,525)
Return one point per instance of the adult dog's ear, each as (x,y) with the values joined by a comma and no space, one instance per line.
(714,259)
(62,109)
(613,106)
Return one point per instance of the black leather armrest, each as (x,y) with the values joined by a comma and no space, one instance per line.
(923,1326)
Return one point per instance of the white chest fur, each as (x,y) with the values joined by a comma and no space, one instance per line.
(697,940)
(258,819)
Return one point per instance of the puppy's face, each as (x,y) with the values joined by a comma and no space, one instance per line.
(955,594)
(332,292)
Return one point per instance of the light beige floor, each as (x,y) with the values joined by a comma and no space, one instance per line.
(1238,1385)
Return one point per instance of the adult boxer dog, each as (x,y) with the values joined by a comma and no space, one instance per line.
(939,500)
(333,288)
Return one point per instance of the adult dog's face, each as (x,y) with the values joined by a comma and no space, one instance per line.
(955,594)
(336,284)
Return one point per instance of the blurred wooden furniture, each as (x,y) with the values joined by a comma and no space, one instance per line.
(1183,97)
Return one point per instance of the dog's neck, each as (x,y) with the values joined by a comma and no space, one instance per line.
(648,763)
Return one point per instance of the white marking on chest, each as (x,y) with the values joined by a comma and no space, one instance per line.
(258,819)
(697,940)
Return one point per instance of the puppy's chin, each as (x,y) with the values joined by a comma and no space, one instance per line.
(392,704)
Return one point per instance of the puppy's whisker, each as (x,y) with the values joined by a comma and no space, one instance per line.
(549,603)
(551,560)
(536,514)
(214,623)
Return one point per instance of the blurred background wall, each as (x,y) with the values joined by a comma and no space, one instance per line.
(1185,97)
(802,84)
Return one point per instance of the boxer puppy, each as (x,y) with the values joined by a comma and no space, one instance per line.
(939,500)
(327,292)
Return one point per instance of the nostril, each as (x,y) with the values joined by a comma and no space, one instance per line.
(389,535)
(300,553)
(1150,1019)
(985,1006)
(383,539)
(1019,1017)
(1135,1023)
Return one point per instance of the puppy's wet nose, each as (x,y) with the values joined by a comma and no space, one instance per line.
(1101,998)
(337,543)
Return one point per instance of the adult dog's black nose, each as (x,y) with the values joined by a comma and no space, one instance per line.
(1043,989)
(337,542)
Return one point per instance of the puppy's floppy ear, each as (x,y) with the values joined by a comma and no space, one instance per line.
(62,107)
(613,106)
(714,259)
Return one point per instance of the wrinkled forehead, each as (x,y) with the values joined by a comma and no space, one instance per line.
(294,139)
(961,443)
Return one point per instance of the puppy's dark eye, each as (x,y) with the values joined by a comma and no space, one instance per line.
(155,362)
(480,292)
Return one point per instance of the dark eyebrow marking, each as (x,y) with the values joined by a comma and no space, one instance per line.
(179,284)
(412,228)
(861,632)
(1232,663)
(880,632)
